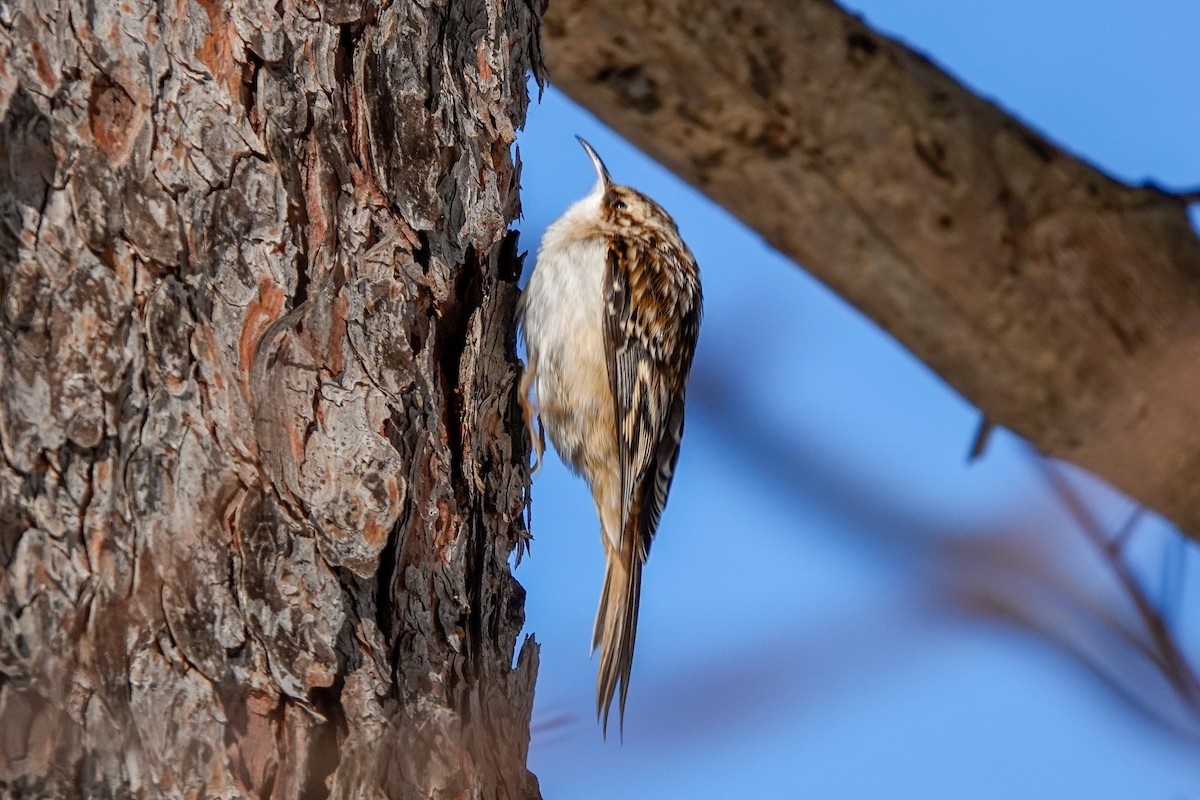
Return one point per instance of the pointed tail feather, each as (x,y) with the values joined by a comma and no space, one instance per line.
(616,626)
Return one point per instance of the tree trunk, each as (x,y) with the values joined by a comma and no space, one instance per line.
(1064,304)
(263,463)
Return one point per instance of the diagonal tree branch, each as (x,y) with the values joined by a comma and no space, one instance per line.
(1064,304)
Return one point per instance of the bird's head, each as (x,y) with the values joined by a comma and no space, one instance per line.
(623,208)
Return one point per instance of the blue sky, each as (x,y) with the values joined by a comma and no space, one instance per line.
(798,635)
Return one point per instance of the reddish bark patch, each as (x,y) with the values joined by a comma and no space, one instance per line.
(296,439)
(337,335)
(259,316)
(255,748)
(374,533)
(217,49)
(114,119)
(46,72)
(481,62)
(445,532)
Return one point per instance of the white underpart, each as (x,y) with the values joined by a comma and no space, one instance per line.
(562,312)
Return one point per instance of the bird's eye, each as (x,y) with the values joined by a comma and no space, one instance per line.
(619,205)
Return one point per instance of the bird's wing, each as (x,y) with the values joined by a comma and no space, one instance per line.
(652,316)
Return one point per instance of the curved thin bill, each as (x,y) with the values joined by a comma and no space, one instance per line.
(601,170)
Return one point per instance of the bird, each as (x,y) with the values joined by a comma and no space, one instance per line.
(610,318)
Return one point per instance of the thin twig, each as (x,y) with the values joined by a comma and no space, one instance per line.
(982,434)
(1166,650)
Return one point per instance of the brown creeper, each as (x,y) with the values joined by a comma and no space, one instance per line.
(610,319)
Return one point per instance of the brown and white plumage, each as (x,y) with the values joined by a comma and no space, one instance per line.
(610,319)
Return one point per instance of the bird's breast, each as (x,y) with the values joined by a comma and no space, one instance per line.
(562,321)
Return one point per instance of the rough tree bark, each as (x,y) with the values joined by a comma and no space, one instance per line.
(262,465)
(1064,304)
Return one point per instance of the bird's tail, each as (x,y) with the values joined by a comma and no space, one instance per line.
(616,623)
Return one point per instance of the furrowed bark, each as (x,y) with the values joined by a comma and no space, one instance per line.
(262,461)
(1064,304)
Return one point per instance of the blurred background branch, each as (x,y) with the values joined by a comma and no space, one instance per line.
(839,605)
(1063,303)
